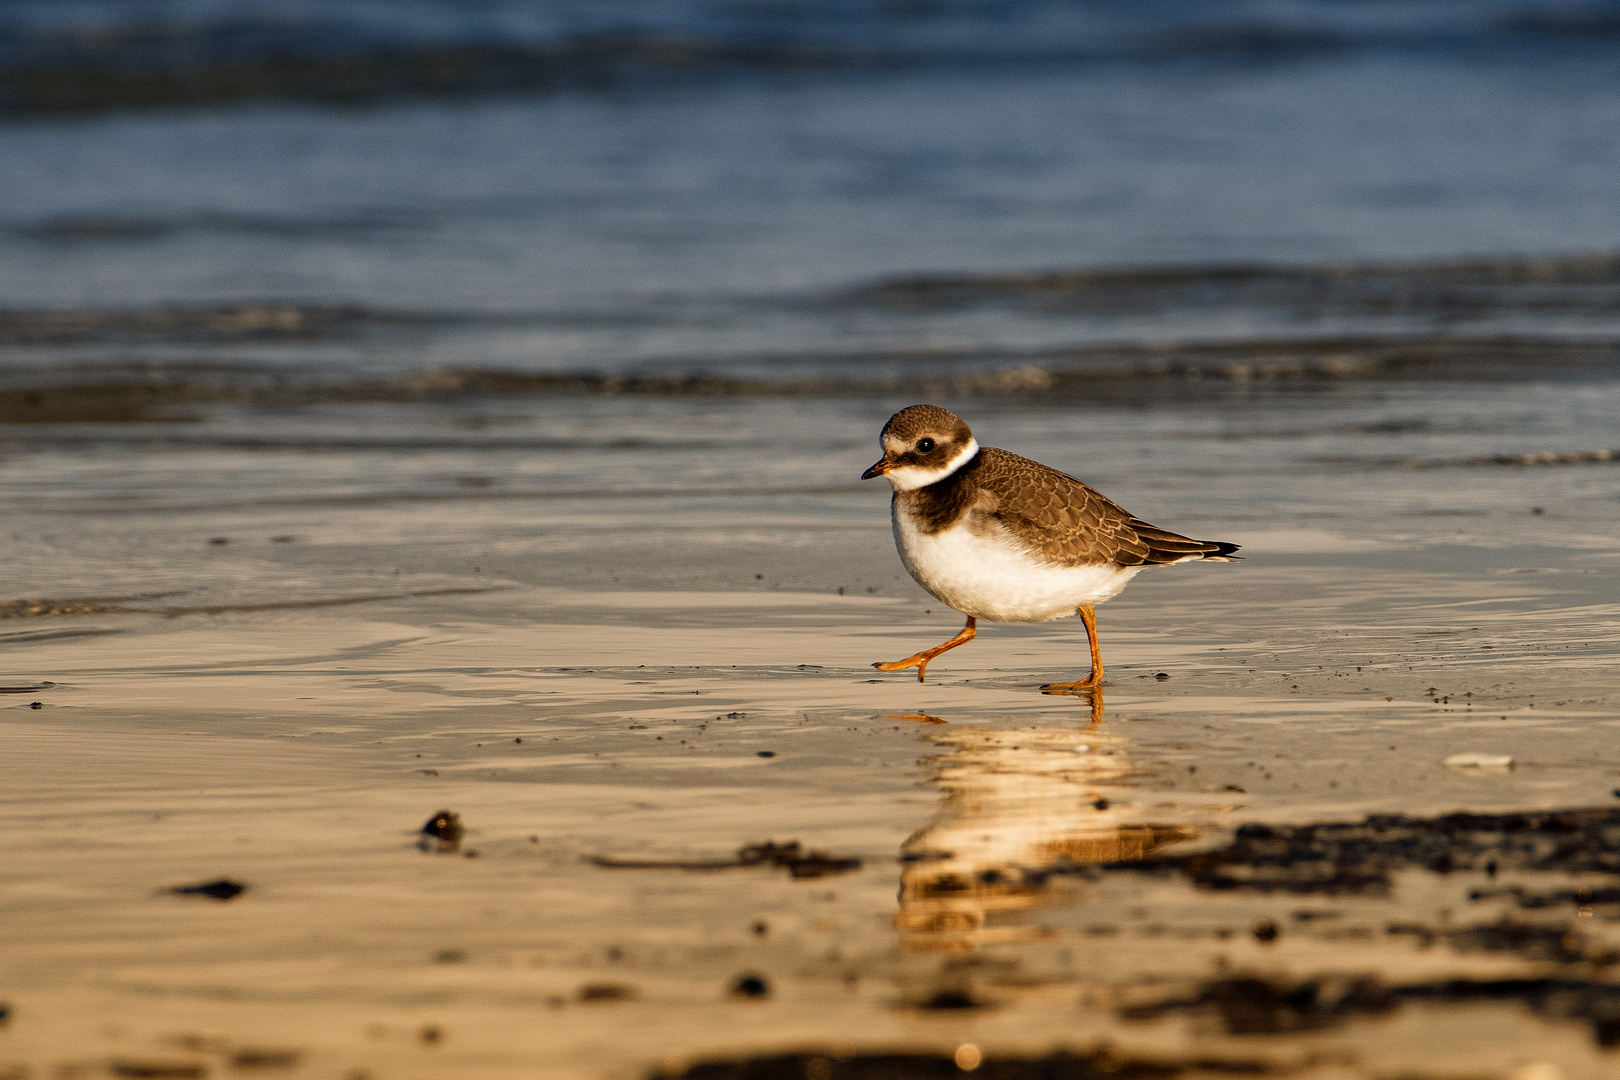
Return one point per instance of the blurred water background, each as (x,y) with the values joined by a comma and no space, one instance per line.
(221,217)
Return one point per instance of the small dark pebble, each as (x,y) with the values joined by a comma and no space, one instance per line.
(5,1013)
(750,986)
(1265,930)
(1239,788)
(1099,804)
(951,999)
(766,753)
(606,992)
(265,1058)
(223,889)
(431,1034)
(518,739)
(446,828)
(218,540)
(1161,676)
(761,928)
(157,1070)
(41,705)
(449,956)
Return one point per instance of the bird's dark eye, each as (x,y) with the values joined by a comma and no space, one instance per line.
(924,445)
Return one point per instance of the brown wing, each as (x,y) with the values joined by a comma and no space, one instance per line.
(1071,524)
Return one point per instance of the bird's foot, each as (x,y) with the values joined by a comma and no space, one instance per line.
(919,661)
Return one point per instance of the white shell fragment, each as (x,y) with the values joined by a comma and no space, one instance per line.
(1475,760)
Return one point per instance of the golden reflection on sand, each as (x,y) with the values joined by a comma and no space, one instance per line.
(1018,803)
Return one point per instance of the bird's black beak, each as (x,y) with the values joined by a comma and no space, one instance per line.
(879,469)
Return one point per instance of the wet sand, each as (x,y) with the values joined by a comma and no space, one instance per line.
(286,714)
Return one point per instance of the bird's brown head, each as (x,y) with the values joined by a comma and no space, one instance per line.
(922,445)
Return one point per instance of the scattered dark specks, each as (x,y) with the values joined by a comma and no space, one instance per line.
(766,753)
(1161,675)
(36,704)
(219,541)
(265,1058)
(223,889)
(606,992)
(431,1034)
(750,986)
(1265,931)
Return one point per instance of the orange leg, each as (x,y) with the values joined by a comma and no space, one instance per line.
(920,660)
(1089,617)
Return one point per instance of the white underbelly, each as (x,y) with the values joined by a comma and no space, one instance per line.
(987,576)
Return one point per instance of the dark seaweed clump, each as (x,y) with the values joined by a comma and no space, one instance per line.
(1253,1006)
(1360,857)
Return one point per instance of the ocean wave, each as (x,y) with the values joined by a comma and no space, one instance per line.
(214,323)
(1078,373)
(1568,281)
(105,228)
(123,53)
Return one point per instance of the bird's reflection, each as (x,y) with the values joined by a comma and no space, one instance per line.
(1019,803)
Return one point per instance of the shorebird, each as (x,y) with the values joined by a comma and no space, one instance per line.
(1000,537)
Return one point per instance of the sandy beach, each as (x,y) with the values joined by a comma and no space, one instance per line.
(619,693)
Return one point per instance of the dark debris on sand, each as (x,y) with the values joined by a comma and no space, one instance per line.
(1097,1065)
(220,889)
(1248,1005)
(789,856)
(1360,857)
